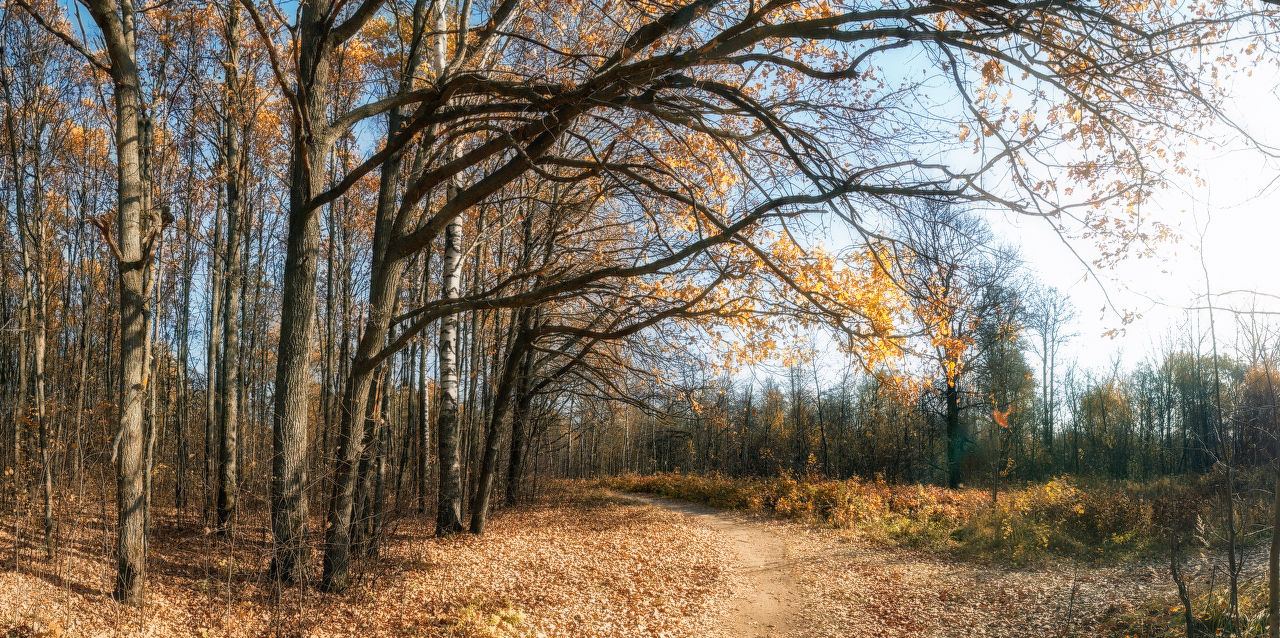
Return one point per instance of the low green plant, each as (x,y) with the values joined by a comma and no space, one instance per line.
(490,618)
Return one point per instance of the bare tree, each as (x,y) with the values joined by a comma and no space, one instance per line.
(1050,318)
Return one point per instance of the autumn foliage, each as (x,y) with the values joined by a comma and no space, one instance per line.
(1060,518)
(387,259)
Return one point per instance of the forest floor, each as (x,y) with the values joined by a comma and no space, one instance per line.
(584,562)
(578,563)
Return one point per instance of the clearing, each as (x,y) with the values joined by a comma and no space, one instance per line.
(584,562)
(801,581)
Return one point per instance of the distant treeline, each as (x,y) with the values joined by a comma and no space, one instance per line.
(1172,414)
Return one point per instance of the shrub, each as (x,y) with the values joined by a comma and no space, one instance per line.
(1061,517)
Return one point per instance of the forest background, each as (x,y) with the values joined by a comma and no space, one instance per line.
(301,270)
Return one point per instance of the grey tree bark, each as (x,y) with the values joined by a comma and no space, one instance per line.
(289,511)
(498,414)
(229,379)
(424,427)
(520,420)
(313,138)
(132,244)
(356,431)
(39,339)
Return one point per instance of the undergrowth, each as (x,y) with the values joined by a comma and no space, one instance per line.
(1064,517)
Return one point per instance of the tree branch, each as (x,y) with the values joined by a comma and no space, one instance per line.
(65,37)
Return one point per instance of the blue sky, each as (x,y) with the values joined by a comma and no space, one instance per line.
(1237,208)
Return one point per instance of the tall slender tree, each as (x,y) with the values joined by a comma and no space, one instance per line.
(229,377)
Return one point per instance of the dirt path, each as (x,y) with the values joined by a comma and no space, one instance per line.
(805,582)
(768,606)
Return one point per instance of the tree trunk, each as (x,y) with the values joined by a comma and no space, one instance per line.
(386,271)
(955,442)
(520,418)
(360,533)
(39,339)
(213,355)
(372,546)
(229,380)
(24,311)
(1046,386)
(149,323)
(184,334)
(311,143)
(116,23)
(354,434)
(501,403)
(424,427)
(449,500)
(822,424)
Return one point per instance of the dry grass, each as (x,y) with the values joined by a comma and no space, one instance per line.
(579,564)
(1062,518)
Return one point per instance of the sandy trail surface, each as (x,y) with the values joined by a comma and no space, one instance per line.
(768,605)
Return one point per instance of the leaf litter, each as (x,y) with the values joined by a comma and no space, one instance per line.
(579,564)
(857,587)
(582,562)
